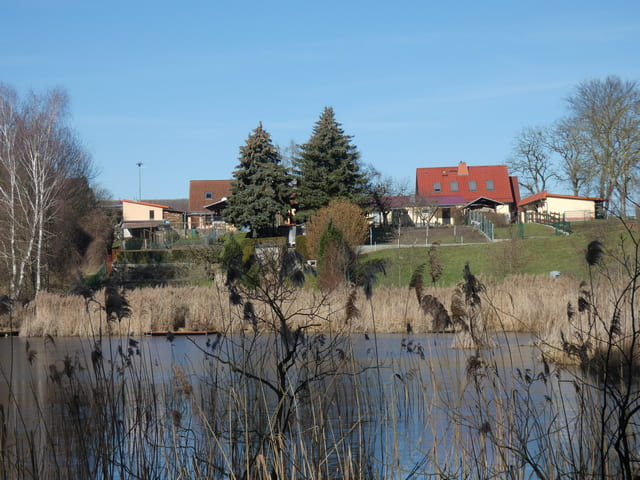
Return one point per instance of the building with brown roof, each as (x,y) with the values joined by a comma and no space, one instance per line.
(207,199)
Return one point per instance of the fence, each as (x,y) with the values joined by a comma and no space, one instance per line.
(555,220)
(170,236)
(478,220)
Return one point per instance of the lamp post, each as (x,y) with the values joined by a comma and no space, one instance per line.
(139,181)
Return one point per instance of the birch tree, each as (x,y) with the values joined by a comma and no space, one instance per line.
(16,241)
(39,156)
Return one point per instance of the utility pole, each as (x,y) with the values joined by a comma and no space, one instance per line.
(139,181)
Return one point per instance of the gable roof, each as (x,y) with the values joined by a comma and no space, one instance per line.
(198,189)
(483,202)
(545,194)
(463,174)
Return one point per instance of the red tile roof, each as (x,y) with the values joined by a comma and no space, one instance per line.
(502,191)
(545,194)
(404,201)
(198,190)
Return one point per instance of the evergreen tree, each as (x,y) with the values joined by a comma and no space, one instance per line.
(260,190)
(327,168)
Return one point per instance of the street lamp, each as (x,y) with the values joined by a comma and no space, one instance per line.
(139,181)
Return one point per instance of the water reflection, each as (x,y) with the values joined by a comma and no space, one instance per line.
(408,403)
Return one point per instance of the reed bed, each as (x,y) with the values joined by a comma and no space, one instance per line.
(535,304)
(528,303)
(524,303)
(600,320)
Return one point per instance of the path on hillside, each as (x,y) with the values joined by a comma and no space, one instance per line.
(388,246)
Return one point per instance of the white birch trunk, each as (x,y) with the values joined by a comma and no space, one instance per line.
(37,152)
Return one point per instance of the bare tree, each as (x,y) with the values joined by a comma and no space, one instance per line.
(16,240)
(382,190)
(567,142)
(289,154)
(531,160)
(40,157)
(606,114)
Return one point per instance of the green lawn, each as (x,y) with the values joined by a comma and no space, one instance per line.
(535,254)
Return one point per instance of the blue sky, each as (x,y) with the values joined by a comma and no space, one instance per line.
(179,86)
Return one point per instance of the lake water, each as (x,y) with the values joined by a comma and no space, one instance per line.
(425,403)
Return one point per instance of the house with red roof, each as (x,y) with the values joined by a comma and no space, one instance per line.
(465,187)
(207,200)
(569,208)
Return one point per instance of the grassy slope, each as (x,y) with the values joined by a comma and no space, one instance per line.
(540,252)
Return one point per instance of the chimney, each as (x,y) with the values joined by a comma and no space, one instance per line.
(463,169)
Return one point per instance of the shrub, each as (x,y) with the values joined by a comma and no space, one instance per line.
(347,217)
(333,258)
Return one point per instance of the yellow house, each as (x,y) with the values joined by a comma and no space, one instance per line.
(143,225)
(565,207)
(141,211)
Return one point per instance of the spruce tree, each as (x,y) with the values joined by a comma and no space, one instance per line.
(327,168)
(261,187)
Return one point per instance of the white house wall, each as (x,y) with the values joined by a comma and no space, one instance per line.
(504,210)
(573,209)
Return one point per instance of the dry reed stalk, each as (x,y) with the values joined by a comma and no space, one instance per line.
(605,323)
(528,303)
(522,303)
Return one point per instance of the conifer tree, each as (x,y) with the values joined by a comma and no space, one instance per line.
(327,168)
(260,190)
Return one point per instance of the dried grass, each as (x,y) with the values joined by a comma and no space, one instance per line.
(604,326)
(528,303)
(521,303)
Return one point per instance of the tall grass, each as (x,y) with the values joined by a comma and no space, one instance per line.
(513,305)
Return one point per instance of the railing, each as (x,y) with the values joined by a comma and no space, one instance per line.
(545,218)
(555,220)
(478,220)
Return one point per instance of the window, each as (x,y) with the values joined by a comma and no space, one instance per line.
(437,187)
(472,186)
(208,195)
(489,184)
(454,186)
(151,214)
